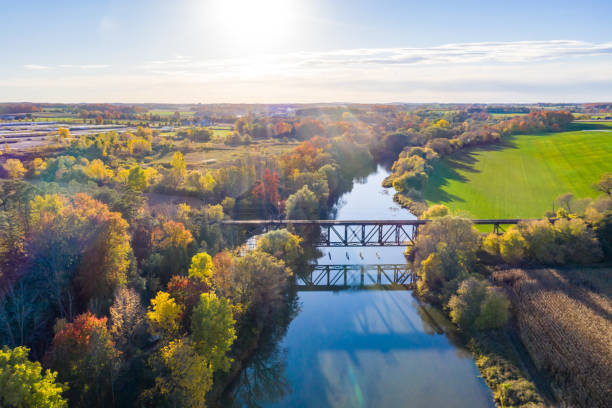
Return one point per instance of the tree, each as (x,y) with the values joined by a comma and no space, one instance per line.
(478,305)
(184,377)
(302,204)
(164,315)
(566,201)
(512,246)
(175,235)
(137,179)
(443,255)
(604,184)
(14,168)
(266,189)
(437,210)
(201,267)
(127,318)
(283,245)
(494,309)
(178,169)
(212,328)
(258,283)
(223,266)
(23,383)
(85,357)
(98,171)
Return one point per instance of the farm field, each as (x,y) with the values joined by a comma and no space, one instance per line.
(214,155)
(523,175)
(563,317)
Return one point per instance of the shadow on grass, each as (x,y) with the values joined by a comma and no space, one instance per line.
(450,167)
(588,126)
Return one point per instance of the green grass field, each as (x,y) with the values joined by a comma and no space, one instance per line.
(522,176)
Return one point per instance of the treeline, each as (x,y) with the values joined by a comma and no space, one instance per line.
(454,263)
(76,279)
(121,304)
(420,149)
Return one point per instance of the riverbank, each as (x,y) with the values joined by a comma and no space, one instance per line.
(365,346)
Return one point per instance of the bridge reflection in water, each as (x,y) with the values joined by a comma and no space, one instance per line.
(341,277)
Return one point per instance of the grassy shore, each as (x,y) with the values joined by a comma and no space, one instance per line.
(522,176)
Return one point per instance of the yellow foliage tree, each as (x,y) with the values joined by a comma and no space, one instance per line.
(14,168)
(164,315)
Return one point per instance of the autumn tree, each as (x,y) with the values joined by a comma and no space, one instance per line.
(164,315)
(436,210)
(478,305)
(23,383)
(85,357)
(137,179)
(266,189)
(258,282)
(14,168)
(98,171)
(183,376)
(303,204)
(174,240)
(443,255)
(604,184)
(127,318)
(223,265)
(201,267)
(283,245)
(212,328)
(178,169)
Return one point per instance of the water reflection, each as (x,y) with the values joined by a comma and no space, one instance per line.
(351,347)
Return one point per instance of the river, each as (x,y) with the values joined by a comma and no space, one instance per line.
(363,347)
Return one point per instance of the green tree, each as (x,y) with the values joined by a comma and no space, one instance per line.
(302,204)
(212,327)
(494,310)
(137,179)
(23,383)
(478,305)
(283,245)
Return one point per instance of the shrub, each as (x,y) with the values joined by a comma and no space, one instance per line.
(512,246)
(478,305)
(437,210)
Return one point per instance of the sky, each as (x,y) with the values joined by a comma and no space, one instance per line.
(301,51)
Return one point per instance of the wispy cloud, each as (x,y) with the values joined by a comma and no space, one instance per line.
(36,67)
(469,53)
(473,72)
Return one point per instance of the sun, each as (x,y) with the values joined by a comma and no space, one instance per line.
(253,21)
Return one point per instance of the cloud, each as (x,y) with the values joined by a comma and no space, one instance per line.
(525,71)
(35,67)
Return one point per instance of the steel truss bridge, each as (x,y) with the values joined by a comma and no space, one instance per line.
(341,277)
(360,233)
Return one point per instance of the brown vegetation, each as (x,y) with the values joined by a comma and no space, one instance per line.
(565,322)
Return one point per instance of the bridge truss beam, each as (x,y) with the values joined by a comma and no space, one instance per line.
(339,277)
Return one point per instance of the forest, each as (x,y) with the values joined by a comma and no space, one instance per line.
(119,287)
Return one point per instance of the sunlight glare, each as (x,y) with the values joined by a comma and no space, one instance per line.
(253,22)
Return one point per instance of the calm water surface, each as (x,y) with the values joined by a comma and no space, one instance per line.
(363,348)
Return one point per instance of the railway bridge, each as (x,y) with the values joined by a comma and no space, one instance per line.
(361,233)
(341,277)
